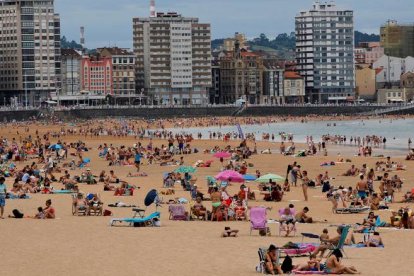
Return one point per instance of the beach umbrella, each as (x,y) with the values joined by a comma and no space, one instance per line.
(55,147)
(185,169)
(230,176)
(249,177)
(266,178)
(86,160)
(151,197)
(222,154)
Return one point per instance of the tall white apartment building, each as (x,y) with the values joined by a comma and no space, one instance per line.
(29,50)
(325,52)
(173,58)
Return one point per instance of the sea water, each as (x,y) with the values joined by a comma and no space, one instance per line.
(396,132)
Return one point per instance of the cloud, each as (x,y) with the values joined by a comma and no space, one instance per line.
(109,21)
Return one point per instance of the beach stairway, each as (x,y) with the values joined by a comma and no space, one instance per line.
(391,110)
(239,110)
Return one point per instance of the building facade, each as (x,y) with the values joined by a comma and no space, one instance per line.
(216,81)
(325,52)
(71,72)
(294,87)
(389,70)
(123,70)
(30,47)
(368,52)
(229,43)
(397,39)
(273,83)
(173,58)
(241,77)
(365,82)
(96,75)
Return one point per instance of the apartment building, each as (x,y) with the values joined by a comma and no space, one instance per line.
(96,75)
(71,72)
(29,50)
(325,52)
(173,58)
(123,70)
(368,52)
(241,74)
(397,39)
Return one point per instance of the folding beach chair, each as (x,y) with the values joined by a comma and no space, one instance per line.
(341,243)
(147,221)
(177,212)
(368,232)
(261,268)
(258,220)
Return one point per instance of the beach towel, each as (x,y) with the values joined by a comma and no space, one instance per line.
(12,196)
(303,249)
(308,272)
(62,192)
(361,245)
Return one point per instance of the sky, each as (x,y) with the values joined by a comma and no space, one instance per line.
(109,22)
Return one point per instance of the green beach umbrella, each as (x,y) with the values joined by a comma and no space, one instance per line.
(185,169)
(270,176)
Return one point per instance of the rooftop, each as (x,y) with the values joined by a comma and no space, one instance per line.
(292,75)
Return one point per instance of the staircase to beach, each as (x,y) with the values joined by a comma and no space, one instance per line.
(239,110)
(388,110)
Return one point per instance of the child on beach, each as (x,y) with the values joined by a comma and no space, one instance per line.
(40,214)
(324,237)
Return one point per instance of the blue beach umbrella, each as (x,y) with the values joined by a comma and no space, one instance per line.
(249,177)
(55,147)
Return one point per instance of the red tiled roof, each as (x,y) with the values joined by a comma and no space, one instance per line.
(248,54)
(292,75)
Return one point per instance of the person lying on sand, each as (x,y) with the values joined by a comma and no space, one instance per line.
(228,232)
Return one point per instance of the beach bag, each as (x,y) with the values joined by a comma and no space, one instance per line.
(17,214)
(326,187)
(107,213)
(287,265)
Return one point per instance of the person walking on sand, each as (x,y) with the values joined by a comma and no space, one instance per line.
(138,157)
(3,192)
(305,184)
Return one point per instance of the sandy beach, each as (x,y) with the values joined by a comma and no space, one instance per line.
(77,245)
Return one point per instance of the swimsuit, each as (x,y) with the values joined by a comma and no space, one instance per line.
(216,204)
(362,194)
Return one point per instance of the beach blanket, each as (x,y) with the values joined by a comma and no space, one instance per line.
(361,245)
(308,272)
(62,192)
(303,249)
(11,196)
(315,245)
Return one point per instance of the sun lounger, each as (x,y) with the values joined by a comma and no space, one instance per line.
(351,210)
(147,221)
